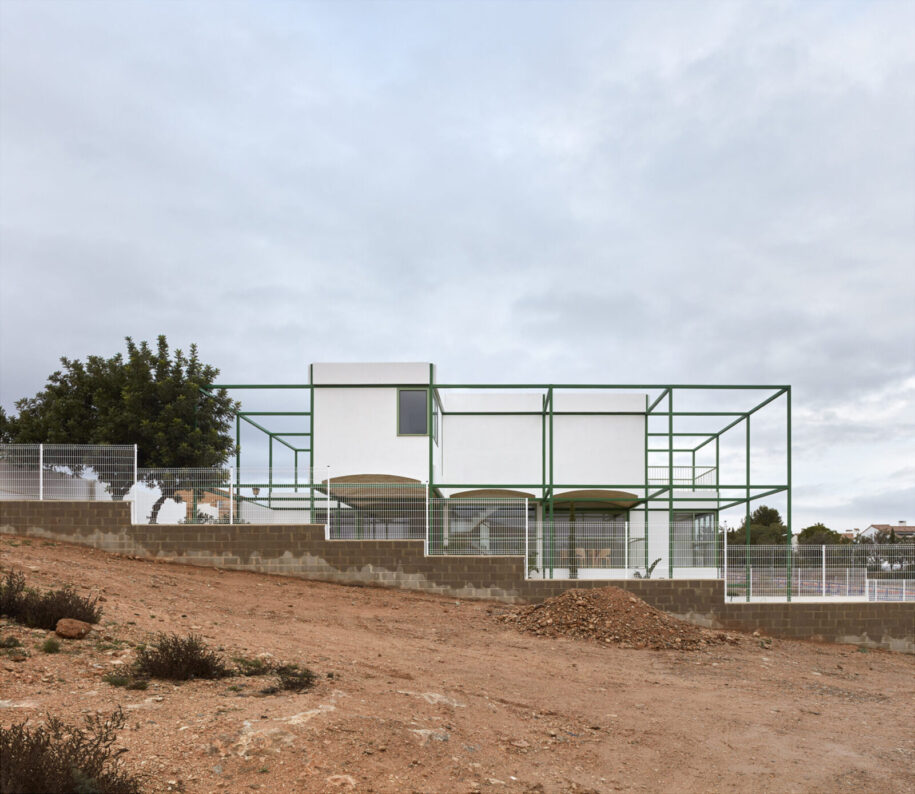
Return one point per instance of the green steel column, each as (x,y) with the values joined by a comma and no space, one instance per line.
(431,397)
(747,519)
(543,490)
(645,529)
(270,474)
(237,466)
(552,525)
(311,445)
(718,501)
(670,483)
(788,508)
(237,442)
(295,470)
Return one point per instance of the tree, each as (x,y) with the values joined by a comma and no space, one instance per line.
(820,535)
(151,398)
(7,427)
(766,529)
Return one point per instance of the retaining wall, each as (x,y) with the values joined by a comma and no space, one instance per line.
(302,551)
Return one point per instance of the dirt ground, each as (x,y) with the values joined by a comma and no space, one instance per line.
(431,694)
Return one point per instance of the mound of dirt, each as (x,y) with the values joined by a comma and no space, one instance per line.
(613,616)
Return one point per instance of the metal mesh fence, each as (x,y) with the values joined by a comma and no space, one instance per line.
(372,511)
(607,547)
(473,527)
(72,472)
(223,496)
(852,572)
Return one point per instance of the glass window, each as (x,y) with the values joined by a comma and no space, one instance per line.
(412,418)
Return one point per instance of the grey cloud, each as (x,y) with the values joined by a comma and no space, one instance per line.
(717,192)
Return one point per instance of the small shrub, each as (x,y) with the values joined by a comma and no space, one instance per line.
(116,679)
(250,667)
(291,678)
(50,645)
(137,683)
(179,659)
(56,758)
(10,642)
(43,610)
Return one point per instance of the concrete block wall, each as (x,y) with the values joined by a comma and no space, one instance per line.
(302,551)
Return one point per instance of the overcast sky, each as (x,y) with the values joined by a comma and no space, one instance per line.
(608,192)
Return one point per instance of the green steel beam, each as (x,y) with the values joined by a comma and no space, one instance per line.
(274,413)
(655,403)
(211,386)
(529,386)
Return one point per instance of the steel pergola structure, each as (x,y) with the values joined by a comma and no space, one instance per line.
(660,405)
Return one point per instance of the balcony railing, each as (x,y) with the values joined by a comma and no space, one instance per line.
(686,476)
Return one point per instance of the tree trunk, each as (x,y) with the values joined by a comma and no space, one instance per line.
(157,506)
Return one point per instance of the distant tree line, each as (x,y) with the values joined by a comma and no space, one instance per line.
(768,529)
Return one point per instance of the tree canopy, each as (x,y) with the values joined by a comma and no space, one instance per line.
(766,528)
(821,535)
(150,398)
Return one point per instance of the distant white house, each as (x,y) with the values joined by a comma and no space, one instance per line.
(903,530)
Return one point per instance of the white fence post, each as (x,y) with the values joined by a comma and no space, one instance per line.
(823,566)
(527,558)
(426,533)
(40,472)
(231,495)
(136,487)
(327,514)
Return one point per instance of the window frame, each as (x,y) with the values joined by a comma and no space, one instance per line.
(424,390)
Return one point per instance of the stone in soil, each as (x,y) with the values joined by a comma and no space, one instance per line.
(71,629)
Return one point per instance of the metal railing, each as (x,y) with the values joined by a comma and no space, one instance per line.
(849,572)
(71,472)
(682,475)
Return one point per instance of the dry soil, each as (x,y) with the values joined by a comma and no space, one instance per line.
(431,694)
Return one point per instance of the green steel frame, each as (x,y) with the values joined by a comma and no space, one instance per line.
(661,407)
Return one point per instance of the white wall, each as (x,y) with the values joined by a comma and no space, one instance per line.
(606,450)
(491,449)
(406,373)
(355,432)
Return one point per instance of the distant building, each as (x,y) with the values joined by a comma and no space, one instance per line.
(903,530)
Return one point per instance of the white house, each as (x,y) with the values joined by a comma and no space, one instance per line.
(572,474)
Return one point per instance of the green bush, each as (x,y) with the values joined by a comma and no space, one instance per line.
(179,659)
(10,642)
(43,610)
(50,645)
(56,758)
